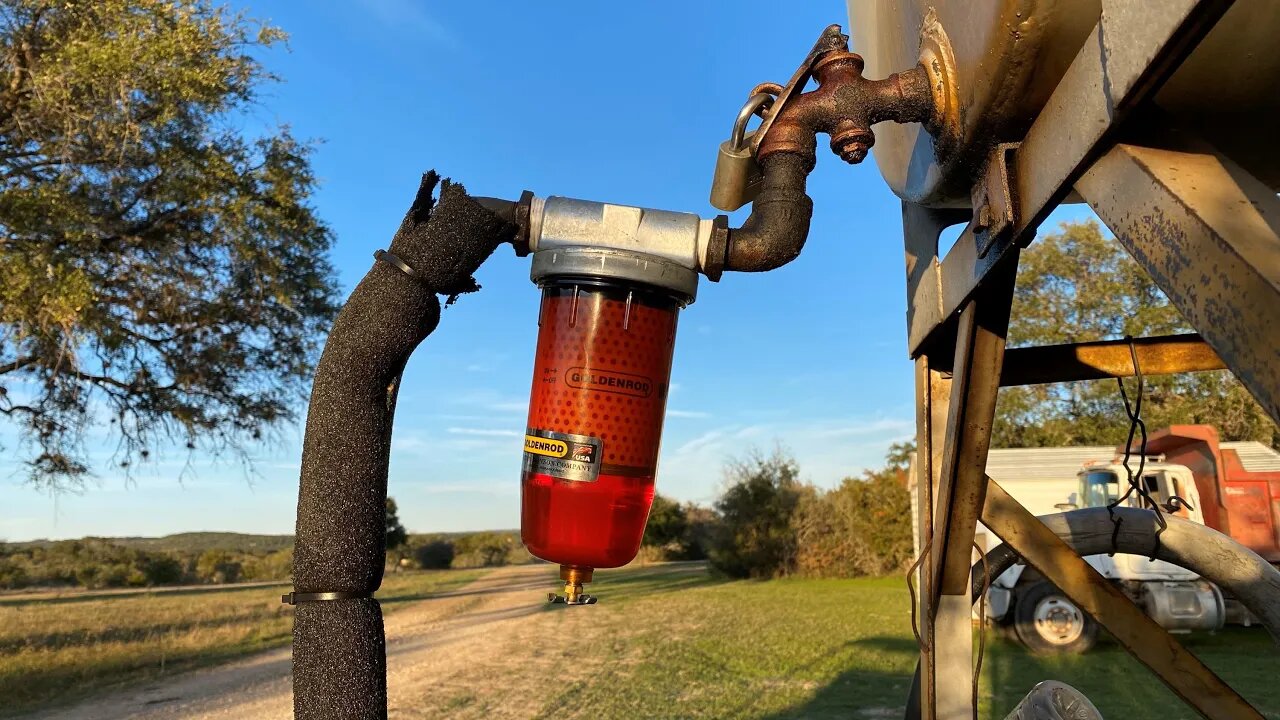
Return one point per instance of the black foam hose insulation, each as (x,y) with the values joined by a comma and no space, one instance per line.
(339,656)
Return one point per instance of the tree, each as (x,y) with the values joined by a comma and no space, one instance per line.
(755,537)
(1078,285)
(666,524)
(862,527)
(217,566)
(435,555)
(396,535)
(162,276)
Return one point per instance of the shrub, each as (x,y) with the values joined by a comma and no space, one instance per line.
(755,537)
(483,549)
(218,566)
(161,570)
(701,526)
(435,555)
(863,527)
(664,532)
(12,574)
(676,532)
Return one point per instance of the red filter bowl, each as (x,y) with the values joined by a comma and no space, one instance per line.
(595,420)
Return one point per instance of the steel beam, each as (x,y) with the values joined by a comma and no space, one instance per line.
(979,353)
(979,356)
(1164,355)
(1209,236)
(1177,668)
(1135,45)
(933,390)
(921,227)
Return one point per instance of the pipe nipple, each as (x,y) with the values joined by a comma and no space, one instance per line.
(575,577)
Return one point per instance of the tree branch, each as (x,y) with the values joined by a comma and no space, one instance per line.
(18,364)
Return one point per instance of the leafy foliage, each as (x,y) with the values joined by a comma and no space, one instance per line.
(755,537)
(162,274)
(435,555)
(666,522)
(396,535)
(862,527)
(677,532)
(1078,285)
(769,523)
(202,558)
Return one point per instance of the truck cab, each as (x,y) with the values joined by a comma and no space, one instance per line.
(1046,621)
(1172,487)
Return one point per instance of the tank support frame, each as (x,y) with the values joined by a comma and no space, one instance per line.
(1206,232)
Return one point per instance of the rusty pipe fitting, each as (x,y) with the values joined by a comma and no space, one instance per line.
(515,212)
(845,105)
(774,233)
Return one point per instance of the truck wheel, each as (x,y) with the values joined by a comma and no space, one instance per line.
(1048,623)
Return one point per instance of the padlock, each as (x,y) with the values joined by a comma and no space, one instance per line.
(738,175)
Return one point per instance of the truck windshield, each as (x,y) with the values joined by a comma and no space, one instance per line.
(1101,488)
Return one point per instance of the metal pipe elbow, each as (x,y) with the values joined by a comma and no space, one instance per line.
(778,226)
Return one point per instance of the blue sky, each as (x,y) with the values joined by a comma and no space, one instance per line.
(624,102)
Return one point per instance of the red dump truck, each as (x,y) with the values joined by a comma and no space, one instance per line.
(1233,487)
(1234,501)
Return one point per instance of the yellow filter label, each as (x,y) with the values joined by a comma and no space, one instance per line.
(549,447)
(562,455)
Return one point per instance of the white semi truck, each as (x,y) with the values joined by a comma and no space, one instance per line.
(1051,480)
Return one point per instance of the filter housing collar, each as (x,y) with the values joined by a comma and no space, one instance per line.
(611,263)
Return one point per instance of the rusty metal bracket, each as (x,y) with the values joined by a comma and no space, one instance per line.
(1140,42)
(1208,234)
(995,207)
(1162,355)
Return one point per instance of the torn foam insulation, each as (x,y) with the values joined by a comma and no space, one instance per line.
(341,532)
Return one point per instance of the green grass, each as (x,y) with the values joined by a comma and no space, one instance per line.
(681,646)
(68,647)
(664,642)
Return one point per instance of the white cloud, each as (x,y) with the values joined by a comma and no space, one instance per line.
(827,450)
(496,489)
(408,442)
(687,414)
(482,432)
(411,17)
(492,401)
(874,427)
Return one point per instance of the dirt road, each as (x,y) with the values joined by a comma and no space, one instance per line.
(492,649)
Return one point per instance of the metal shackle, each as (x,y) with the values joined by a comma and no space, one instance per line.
(755,104)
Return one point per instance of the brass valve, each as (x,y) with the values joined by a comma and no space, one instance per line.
(574,579)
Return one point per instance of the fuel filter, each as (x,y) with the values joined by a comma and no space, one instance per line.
(602,371)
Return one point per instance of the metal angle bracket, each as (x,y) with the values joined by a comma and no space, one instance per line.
(995,209)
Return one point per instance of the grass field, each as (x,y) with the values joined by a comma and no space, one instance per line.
(664,642)
(682,647)
(78,643)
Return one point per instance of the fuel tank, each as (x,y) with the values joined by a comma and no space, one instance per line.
(1007,56)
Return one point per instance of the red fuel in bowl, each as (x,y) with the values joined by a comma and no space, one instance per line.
(595,420)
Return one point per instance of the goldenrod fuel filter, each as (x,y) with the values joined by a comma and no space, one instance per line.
(601,375)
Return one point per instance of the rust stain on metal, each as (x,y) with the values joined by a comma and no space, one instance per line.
(845,105)
(1164,355)
(1204,230)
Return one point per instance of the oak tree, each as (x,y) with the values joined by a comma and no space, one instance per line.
(1080,285)
(163,275)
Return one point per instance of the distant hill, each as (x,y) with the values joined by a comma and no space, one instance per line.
(198,542)
(191,542)
(201,541)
